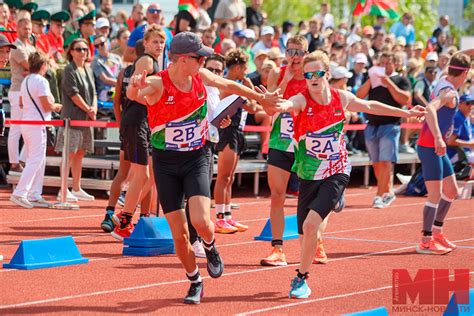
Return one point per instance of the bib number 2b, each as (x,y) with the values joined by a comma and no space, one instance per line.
(183,136)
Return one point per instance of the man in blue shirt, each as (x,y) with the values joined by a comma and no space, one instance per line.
(405,28)
(153,16)
(462,131)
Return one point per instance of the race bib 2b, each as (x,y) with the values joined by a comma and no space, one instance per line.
(183,136)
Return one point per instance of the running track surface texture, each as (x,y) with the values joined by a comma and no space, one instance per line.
(363,244)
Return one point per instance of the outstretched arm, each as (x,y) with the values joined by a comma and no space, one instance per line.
(232,87)
(354,104)
(145,90)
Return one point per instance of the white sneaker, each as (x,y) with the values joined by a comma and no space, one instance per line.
(82,195)
(41,202)
(388,198)
(378,202)
(199,249)
(69,197)
(21,201)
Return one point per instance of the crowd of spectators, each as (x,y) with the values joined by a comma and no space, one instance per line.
(386,63)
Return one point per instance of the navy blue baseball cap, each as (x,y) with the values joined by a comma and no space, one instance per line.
(468,98)
(187,42)
(240,33)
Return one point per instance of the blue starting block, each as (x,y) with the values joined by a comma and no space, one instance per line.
(290,232)
(46,253)
(379,311)
(151,237)
(455,309)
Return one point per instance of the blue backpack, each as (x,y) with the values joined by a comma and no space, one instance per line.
(416,186)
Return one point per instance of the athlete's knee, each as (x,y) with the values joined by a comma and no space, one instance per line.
(450,194)
(201,224)
(225,179)
(310,226)
(181,240)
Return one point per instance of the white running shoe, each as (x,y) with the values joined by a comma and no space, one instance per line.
(199,249)
(378,202)
(82,195)
(69,197)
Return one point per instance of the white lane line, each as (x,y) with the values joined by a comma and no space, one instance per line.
(388,226)
(392,241)
(263,200)
(300,302)
(69,297)
(152,285)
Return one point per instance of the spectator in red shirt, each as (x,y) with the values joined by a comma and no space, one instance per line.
(137,16)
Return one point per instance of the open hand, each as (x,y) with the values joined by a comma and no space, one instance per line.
(417,111)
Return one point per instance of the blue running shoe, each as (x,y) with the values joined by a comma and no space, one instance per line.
(299,288)
(121,199)
(340,204)
(107,224)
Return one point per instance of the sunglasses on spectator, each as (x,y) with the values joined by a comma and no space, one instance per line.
(215,70)
(295,52)
(317,74)
(154,11)
(101,44)
(81,49)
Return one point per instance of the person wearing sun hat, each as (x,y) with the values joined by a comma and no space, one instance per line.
(86,30)
(55,35)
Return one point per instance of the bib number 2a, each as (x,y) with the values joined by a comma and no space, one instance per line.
(286,126)
(322,146)
(183,136)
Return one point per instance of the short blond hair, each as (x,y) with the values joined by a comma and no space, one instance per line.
(317,55)
(298,40)
(154,30)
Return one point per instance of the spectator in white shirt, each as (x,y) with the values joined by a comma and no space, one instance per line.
(266,38)
(37,102)
(324,16)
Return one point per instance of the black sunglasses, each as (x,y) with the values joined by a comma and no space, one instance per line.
(317,74)
(215,70)
(295,52)
(101,44)
(81,49)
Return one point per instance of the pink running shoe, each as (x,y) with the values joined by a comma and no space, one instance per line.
(443,241)
(431,247)
(223,227)
(240,227)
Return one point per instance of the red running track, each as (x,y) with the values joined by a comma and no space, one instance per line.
(363,245)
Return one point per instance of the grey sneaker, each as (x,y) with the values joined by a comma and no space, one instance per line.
(21,201)
(378,202)
(388,198)
(340,204)
(406,149)
(215,266)
(41,202)
(195,293)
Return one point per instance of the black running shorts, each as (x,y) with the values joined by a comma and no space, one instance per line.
(135,143)
(320,196)
(180,175)
(281,159)
(234,138)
